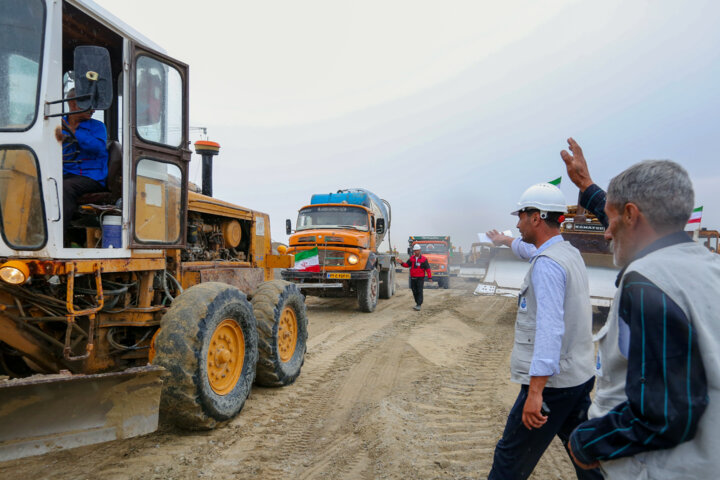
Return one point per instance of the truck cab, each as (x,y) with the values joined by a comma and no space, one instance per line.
(336,242)
(47,49)
(437,249)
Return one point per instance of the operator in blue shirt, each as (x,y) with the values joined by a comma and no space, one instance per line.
(552,357)
(85,156)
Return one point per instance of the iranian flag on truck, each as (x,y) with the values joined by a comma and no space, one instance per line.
(307,261)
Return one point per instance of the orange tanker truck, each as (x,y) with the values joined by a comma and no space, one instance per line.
(336,247)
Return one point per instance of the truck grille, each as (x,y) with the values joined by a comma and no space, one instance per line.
(437,266)
(331,258)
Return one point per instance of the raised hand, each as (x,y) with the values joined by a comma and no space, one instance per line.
(576,165)
(498,238)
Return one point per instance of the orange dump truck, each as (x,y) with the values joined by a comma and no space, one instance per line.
(437,249)
(336,247)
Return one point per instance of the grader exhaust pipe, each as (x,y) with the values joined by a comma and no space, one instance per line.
(207,150)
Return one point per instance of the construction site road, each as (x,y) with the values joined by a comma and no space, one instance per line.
(393,394)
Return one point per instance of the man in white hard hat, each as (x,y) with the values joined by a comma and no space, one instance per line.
(657,404)
(419,266)
(552,358)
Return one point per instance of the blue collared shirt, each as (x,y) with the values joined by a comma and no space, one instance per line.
(92,158)
(548,280)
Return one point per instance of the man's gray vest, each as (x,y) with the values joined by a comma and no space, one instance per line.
(690,276)
(576,351)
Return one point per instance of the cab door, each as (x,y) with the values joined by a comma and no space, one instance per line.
(160,154)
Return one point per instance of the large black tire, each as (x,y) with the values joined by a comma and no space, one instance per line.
(282,332)
(183,347)
(445,282)
(387,283)
(367,292)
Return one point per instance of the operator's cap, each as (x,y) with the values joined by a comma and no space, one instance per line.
(544,197)
(416,247)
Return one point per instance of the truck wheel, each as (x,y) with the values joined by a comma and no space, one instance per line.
(367,291)
(387,285)
(208,344)
(282,332)
(445,282)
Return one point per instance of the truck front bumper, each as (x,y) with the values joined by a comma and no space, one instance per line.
(323,279)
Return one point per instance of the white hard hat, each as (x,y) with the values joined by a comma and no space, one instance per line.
(544,197)
(416,247)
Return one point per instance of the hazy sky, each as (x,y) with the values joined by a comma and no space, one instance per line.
(448,110)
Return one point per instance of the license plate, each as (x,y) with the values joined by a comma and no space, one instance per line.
(338,275)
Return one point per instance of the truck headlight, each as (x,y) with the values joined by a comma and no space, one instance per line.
(14,272)
(352,259)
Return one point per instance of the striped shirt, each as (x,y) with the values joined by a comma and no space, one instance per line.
(593,199)
(666,386)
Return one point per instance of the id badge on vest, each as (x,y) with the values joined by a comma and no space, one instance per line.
(522,304)
(522,298)
(598,338)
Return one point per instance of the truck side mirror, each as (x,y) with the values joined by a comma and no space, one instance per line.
(380,226)
(409,251)
(93,78)
(288,226)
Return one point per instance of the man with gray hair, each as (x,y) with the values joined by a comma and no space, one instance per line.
(657,401)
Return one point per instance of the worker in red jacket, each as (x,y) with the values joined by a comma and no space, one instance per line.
(418,266)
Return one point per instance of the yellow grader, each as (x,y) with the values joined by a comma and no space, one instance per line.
(170,309)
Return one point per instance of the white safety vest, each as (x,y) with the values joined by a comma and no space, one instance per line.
(690,275)
(576,351)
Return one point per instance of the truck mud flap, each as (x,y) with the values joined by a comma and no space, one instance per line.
(46,413)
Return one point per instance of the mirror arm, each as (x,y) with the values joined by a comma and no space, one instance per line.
(55,102)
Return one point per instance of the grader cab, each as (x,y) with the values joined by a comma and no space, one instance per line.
(171,307)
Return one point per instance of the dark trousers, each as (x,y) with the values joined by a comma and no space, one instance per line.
(417,285)
(519,449)
(74,186)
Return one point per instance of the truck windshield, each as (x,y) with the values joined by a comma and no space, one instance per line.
(21,40)
(333,217)
(433,248)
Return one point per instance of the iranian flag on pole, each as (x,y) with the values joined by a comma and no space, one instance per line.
(307,261)
(696,215)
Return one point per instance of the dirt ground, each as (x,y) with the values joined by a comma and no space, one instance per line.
(395,394)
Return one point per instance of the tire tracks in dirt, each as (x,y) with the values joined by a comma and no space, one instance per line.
(393,394)
(346,370)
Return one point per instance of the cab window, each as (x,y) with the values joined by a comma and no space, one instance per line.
(158,109)
(21,40)
(22,218)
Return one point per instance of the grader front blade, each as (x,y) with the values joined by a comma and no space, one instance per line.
(46,413)
(506,273)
